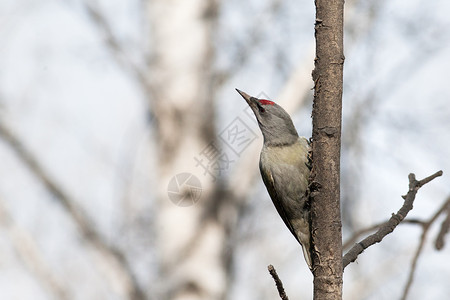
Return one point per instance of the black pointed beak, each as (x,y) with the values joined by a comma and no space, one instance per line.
(249,99)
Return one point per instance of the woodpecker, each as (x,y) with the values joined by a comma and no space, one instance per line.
(285,167)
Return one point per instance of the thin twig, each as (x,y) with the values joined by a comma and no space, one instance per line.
(393,222)
(427,179)
(439,244)
(278,282)
(350,241)
(119,51)
(27,249)
(112,42)
(426,227)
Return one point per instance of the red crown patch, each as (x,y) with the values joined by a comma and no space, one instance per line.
(266,102)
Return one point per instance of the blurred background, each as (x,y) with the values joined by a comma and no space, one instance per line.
(129,164)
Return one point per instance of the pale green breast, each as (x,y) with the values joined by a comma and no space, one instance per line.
(295,154)
(289,164)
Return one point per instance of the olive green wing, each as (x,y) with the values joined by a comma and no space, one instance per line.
(270,184)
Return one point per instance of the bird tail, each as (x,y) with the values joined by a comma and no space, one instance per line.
(307,254)
(304,238)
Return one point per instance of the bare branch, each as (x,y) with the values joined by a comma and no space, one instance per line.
(427,179)
(111,40)
(108,252)
(31,256)
(444,228)
(118,50)
(367,230)
(393,222)
(414,265)
(419,249)
(278,282)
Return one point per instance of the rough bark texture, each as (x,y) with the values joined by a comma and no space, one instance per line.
(327,107)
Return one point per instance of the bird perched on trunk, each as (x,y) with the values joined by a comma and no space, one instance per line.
(285,168)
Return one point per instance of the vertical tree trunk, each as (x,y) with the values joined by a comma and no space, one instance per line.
(190,240)
(327,107)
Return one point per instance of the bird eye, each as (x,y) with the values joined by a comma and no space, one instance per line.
(261,109)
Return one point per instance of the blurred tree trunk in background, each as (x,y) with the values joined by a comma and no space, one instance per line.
(190,240)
